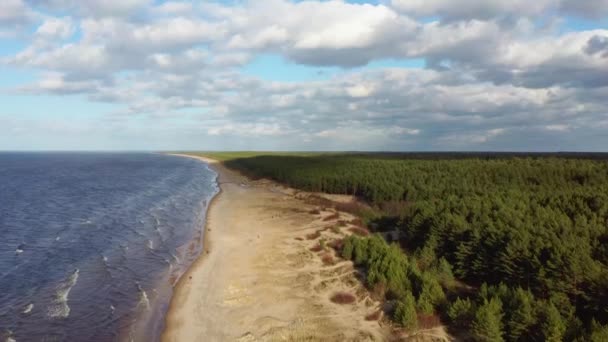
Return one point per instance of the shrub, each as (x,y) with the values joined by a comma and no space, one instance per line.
(374,316)
(332,217)
(327,259)
(347,248)
(313,236)
(316,248)
(343,298)
(359,231)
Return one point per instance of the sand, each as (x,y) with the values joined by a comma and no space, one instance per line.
(258,280)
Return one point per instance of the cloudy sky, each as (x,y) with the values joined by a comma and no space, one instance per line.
(304,75)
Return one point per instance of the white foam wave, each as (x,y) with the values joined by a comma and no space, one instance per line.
(28,308)
(59,307)
(176,258)
(19,249)
(144,302)
(150,244)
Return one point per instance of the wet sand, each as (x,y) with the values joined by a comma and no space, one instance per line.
(257,278)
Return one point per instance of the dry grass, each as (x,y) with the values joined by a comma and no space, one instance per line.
(343,298)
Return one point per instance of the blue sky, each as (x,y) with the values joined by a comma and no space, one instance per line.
(304,75)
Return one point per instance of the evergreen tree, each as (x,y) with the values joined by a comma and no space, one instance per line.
(599,333)
(521,315)
(552,324)
(487,324)
(461,312)
(405,312)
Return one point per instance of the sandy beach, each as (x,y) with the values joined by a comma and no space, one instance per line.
(258,279)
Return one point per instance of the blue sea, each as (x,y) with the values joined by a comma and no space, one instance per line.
(92,243)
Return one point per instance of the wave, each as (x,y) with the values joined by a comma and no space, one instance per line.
(59,307)
(28,308)
(144,302)
(19,249)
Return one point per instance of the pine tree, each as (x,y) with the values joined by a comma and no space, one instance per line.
(521,314)
(599,333)
(405,312)
(487,325)
(552,326)
(460,312)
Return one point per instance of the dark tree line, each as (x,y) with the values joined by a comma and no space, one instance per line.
(538,224)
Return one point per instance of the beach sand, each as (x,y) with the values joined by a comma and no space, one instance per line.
(258,280)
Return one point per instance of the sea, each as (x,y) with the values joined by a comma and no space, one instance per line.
(91,244)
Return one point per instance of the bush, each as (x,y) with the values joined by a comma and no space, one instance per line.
(374,316)
(343,298)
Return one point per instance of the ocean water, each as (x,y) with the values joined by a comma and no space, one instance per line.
(91,243)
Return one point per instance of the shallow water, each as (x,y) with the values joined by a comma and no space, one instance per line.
(90,244)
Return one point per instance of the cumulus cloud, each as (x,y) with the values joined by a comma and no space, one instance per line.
(493,70)
(95,8)
(470,9)
(487,9)
(55,28)
(13,12)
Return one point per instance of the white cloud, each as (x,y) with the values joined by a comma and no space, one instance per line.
(493,69)
(55,28)
(486,9)
(13,12)
(243,129)
(558,127)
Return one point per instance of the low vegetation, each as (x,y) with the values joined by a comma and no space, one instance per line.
(343,298)
(501,247)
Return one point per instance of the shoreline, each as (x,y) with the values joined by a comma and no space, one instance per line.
(259,276)
(169,320)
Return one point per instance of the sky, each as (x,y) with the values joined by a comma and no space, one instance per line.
(393,75)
